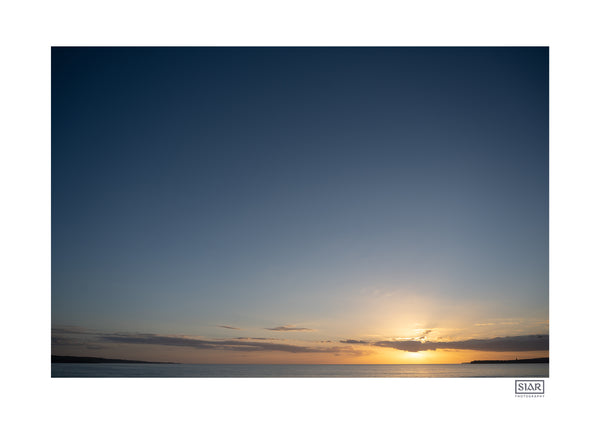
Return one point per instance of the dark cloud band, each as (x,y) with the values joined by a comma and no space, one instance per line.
(289,328)
(498,344)
(234,345)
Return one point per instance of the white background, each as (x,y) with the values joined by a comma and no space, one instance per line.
(29,29)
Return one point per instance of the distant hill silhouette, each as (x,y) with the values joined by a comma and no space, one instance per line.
(93,360)
(514,361)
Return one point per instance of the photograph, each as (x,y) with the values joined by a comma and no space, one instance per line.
(300,212)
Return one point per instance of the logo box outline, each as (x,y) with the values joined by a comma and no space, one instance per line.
(517,392)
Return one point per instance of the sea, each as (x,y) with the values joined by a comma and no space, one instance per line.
(301,371)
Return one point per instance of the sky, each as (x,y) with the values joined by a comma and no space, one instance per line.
(300,205)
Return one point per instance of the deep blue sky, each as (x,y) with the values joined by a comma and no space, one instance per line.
(256,187)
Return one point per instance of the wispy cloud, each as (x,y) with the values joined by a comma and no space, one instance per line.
(497,344)
(229,327)
(352,341)
(85,338)
(71,329)
(232,345)
(61,341)
(289,328)
(255,338)
(424,334)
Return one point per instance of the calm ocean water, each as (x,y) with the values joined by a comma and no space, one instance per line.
(311,371)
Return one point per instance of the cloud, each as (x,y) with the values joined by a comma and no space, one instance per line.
(424,334)
(352,341)
(65,341)
(229,327)
(61,341)
(238,344)
(232,345)
(256,338)
(70,329)
(289,328)
(497,344)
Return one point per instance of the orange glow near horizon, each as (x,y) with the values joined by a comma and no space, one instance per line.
(370,355)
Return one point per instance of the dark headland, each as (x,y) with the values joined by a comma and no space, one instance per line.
(514,361)
(93,360)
